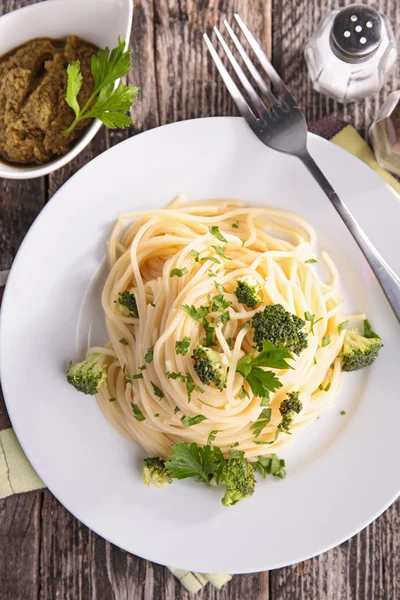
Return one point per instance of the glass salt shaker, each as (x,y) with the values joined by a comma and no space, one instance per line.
(351,53)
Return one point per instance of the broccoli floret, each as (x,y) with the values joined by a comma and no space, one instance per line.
(359,351)
(127,304)
(209,367)
(277,325)
(289,407)
(155,473)
(247,292)
(89,375)
(238,478)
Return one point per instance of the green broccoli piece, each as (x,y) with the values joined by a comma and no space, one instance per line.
(277,325)
(155,472)
(89,375)
(289,407)
(359,351)
(247,292)
(238,478)
(127,304)
(209,366)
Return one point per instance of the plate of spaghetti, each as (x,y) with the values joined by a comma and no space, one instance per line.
(206,373)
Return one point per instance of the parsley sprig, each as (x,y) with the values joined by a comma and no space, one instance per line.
(193,461)
(106,102)
(263,382)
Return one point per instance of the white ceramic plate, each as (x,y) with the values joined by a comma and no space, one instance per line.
(342,472)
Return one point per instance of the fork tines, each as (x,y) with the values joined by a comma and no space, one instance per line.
(258,108)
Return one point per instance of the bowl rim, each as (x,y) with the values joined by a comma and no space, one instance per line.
(34,171)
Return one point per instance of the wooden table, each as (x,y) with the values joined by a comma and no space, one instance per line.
(45,552)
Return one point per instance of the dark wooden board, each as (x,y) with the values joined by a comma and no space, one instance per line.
(47,554)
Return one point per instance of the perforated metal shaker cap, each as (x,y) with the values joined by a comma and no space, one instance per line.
(357,32)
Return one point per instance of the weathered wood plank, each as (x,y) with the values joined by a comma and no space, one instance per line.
(188,83)
(20,537)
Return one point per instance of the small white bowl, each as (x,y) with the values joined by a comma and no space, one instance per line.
(97,21)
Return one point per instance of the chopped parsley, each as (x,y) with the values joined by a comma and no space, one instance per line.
(229,342)
(123,342)
(112,399)
(311,318)
(219,303)
(262,421)
(212,258)
(243,393)
(139,416)
(220,250)
(182,346)
(176,409)
(342,326)
(270,465)
(157,391)
(149,355)
(195,254)
(132,378)
(178,376)
(212,435)
(342,412)
(190,421)
(178,272)
(191,387)
(326,340)
(310,261)
(211,274)
(235,225)
(214,230)
(325,389)
(199,314)
(188,380)
(225,317)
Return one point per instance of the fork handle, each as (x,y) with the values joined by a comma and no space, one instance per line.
(387,278)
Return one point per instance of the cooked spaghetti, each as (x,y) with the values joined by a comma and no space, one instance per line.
(174,258)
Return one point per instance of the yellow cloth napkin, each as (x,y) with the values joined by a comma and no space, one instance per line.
(351,141)
(16,473)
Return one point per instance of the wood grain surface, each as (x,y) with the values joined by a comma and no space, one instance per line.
(47,554)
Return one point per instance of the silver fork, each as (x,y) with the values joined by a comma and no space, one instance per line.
(282,126)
